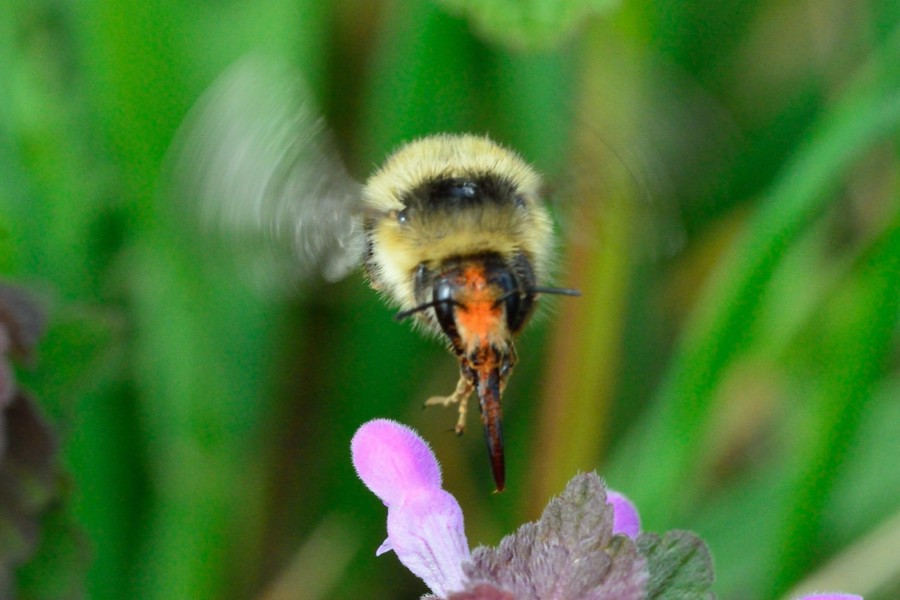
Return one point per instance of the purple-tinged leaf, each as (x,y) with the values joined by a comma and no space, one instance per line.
(483,591)
(21,324)
(570,553)
(22,318)
(30,478)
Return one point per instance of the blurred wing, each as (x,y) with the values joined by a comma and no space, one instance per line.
(255,165)
(615,198)
(634,167)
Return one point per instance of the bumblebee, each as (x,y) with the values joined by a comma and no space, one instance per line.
(460,242)
(451,229)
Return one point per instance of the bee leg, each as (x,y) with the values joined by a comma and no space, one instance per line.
(463,409)
(459,396)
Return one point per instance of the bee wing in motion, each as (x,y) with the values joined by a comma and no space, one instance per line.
(256,167)
(634,166)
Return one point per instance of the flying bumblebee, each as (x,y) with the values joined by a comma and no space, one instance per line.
(451,229)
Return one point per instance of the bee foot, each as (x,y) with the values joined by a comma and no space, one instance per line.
(441,401)
(459,396)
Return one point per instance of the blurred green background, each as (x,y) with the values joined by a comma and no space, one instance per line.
(733,222)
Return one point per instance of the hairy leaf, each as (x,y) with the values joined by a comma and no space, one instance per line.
(680,566)
(570,552)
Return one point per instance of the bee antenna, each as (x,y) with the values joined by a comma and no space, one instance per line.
(538,290)
(405,314)
(503,298)
(555,291)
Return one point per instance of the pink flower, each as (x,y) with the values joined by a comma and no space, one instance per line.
(425,523)
(625,516)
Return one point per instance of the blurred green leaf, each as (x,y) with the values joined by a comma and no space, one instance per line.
(419,89)
(865,489)
(851,340)
(529,24)
(58,570)
(657,464)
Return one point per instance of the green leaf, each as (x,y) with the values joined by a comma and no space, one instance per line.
(662,455)
(680,565)
(57,571)
(528,24)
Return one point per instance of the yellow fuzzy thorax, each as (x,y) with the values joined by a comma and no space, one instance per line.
(445,155)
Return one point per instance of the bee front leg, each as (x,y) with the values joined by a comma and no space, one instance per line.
(459,396)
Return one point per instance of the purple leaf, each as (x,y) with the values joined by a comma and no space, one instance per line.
(570,553)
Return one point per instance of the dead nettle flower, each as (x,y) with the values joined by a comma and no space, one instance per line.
(626,520)
(587,544)
(425,523)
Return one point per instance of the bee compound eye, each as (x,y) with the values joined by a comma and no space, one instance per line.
(518,304)
(403,216)
(444,307)
(514,316)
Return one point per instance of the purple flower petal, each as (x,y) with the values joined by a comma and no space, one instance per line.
(425,523)
(393,461)
(831,597)
(625,516)
(426,531)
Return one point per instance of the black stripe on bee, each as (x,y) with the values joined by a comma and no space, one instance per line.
(452,193)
